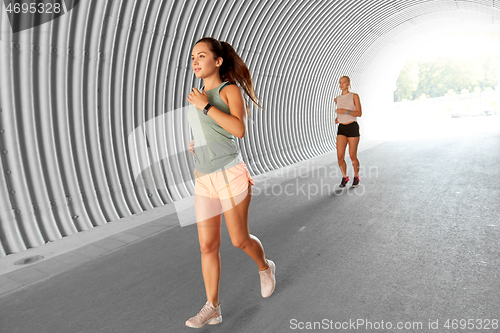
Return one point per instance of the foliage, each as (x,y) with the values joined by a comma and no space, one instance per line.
(407,82)
(444,76)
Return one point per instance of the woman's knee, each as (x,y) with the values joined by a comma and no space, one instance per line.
(209,247)
(241,243)
(341,158)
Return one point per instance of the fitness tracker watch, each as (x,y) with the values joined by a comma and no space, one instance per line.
(205,109)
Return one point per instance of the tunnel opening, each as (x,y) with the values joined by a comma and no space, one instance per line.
(449,87)
(437,79)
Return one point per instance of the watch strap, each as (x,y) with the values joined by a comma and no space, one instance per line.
(205,109)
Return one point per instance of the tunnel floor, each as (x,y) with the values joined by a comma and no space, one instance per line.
(418,242)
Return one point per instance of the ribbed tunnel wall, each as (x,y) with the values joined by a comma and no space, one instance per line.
(73,90)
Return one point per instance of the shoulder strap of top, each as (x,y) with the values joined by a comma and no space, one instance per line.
(225,83)
(222,85)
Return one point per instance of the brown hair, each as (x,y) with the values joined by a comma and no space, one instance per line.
(233,68)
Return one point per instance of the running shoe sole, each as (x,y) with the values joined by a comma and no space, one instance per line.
(213,321)
(273,268)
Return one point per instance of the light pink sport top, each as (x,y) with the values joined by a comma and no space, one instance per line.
(346,102)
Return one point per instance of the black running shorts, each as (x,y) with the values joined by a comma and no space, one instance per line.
(350,130)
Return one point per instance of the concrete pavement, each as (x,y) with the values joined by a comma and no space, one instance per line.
(417,244)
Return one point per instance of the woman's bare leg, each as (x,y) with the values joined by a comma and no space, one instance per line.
(210,211)
(353,153)
(237,225)
(341,146)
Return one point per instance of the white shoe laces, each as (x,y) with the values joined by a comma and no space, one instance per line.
(204,310)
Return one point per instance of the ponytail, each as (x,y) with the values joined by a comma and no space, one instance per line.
(233,68)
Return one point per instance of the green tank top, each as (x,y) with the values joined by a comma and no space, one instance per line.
(215,148)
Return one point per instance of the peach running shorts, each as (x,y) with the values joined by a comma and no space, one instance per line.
(223,184)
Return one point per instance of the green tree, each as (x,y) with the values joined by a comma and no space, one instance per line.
(436,77)
(407,81)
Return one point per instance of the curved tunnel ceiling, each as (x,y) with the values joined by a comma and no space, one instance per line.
(96,94)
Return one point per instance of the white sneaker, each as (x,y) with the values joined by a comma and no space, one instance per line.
(268,279)
(208,315)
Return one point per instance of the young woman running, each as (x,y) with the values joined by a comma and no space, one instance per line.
(348,109)
(223,181)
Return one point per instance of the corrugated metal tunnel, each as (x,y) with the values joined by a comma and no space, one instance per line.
(92,121)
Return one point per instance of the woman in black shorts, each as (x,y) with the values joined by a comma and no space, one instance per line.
(348,109)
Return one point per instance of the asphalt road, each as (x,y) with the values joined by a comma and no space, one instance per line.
(417,244)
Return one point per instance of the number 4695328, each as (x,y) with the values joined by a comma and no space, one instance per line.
(41,8)
(472,324)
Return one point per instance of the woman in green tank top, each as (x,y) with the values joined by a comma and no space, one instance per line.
(216,116)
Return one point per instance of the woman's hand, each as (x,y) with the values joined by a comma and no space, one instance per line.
(191,147)
(336,120)
(198,99)
(341,110)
